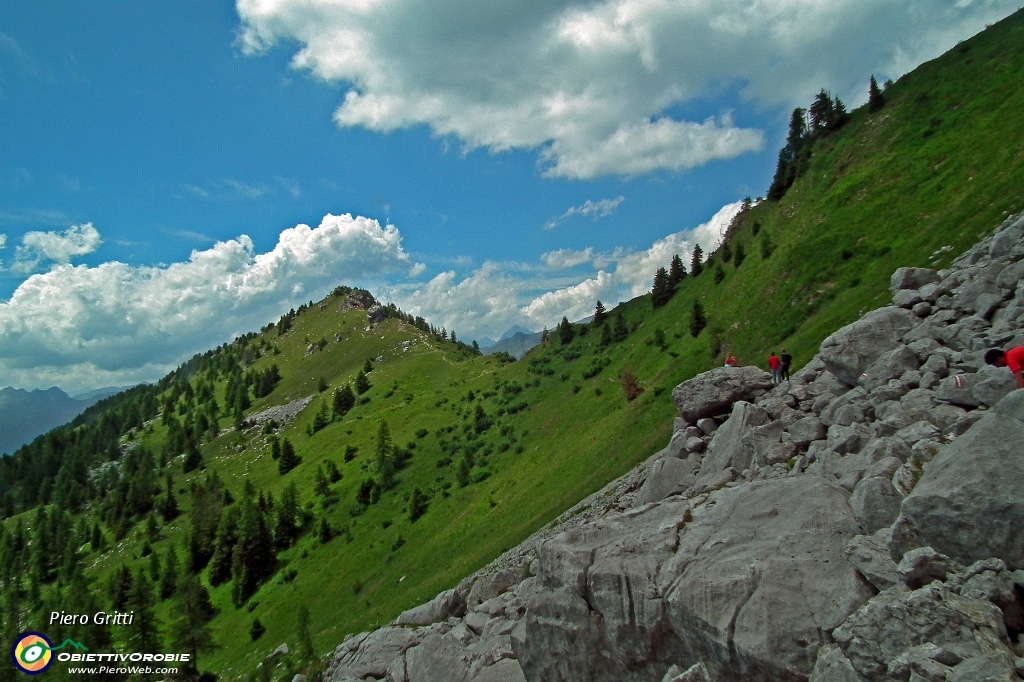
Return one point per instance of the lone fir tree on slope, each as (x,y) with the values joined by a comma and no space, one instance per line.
(696,262)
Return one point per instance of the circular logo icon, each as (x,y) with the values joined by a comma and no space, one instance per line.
(32,653)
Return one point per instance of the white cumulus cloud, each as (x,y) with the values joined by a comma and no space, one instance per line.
(81,326)
(591,84)
(59,247)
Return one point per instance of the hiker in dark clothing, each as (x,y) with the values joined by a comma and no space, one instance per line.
(786,359)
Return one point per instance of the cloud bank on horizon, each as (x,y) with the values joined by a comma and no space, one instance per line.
(592,85)
(80,327)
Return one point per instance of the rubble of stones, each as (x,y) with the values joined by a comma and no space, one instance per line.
(863,521)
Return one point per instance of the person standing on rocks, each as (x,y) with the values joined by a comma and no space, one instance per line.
(1013,358)
(787,360)
(775,365)
(730,361)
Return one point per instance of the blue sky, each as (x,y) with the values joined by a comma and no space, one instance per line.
(498,163)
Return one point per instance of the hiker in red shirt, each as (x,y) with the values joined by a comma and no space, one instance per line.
(776,367)
(1013,358)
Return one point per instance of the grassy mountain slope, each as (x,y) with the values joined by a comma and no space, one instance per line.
(939,165)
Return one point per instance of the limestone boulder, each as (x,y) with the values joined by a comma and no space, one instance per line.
(668,476)
(713,393)
(745,582)
(448,603)
(725,449)
(912,278)
(852,349)
(968,502)
(806,430)
(437,659)
(875,503)
(890,365)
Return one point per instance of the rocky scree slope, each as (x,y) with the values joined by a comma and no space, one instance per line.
(862,521)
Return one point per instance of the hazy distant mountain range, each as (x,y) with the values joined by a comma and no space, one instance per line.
(27,414)
(516,341)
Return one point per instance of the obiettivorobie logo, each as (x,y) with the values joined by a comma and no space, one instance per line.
(32,652)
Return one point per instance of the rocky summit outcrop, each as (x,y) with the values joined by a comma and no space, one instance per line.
(862,522)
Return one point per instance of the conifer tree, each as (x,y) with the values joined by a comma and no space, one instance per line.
(169,504)
(120,589)
(169,577)
(191,613)
(876,100)
(462,471)
(676,271)
(566,332)
(362,383)
(324,532)
(662,290)
(821,113)
(193,458)
(696,261)
(97,540)
(287,528)
(697,319)
(620,331)
(606,335)
(143,634)
(321,486)
(305,649)
(253,555)
(344,400)
(154,568)
(288,460)
(385,457)
(740,256)
(719,274)
(481,422)
(224,545)
(418,504)
(600,315)
(333,472)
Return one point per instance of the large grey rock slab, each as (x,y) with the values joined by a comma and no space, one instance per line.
(724,451)
(852,349)
(437,659)
(448,603)
(742,561)
(669,476)
(746,582)
(968,502)
(713,393)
